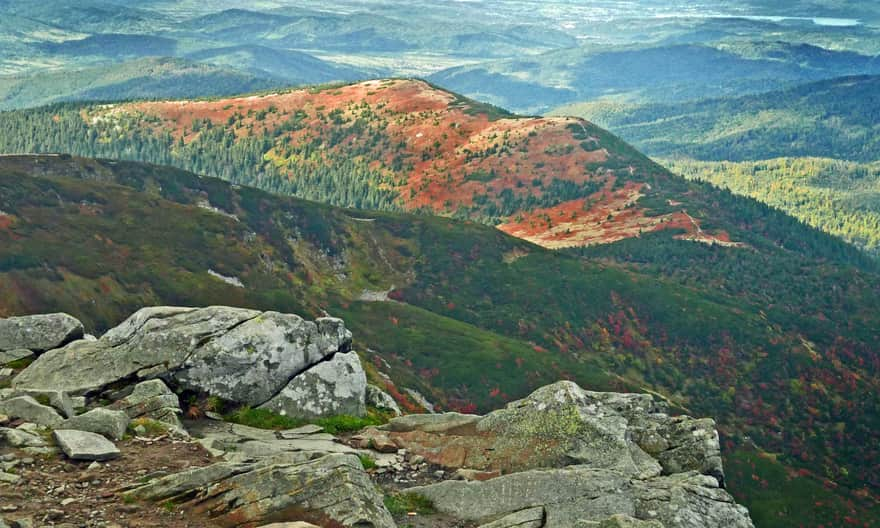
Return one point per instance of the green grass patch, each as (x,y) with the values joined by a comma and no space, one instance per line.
(402,503)
(367,461)
(266,419)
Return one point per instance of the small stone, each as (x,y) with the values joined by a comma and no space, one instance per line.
(140,430)
(94,466)
(8,508)
(472,474)
(9,478)
(27,461)
(68,501)
(54,515)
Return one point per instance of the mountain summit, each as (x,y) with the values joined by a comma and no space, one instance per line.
(394,145)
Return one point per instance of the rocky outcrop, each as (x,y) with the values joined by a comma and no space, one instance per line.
(38,333)
(581,456)
(240,355)
(560,425)
(333,387)
(561,457)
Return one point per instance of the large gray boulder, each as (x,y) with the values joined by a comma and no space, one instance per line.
(240,355)
(334,387)
(39,333)
(570,496)
(30,410)
(82,445)
(111,424)
(333,490)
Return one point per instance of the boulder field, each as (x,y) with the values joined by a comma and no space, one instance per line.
(560,457)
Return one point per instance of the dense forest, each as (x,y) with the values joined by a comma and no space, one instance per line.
(841,198)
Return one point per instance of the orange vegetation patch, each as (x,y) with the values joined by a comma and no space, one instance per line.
(6,221)
(606,216)
(434,151)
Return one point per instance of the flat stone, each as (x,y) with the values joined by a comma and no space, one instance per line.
(28,409)
(301,431)
(111,424)
(82,445)
(431,423)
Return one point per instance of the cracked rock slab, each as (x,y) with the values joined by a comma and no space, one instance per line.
(330,388)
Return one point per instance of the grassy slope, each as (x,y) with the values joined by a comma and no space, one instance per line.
(485,317)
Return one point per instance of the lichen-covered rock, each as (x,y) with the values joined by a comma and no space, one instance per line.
(332,490)
(688,500)
(567,495)
(154,400)
(30,410)
(376,397)
(111,424)
(241,355)
(334,387)
(39,333)
(82,445)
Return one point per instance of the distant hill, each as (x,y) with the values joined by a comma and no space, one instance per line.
(136,79)
(649,74)
(294,67)
(771,340)
(835,118)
